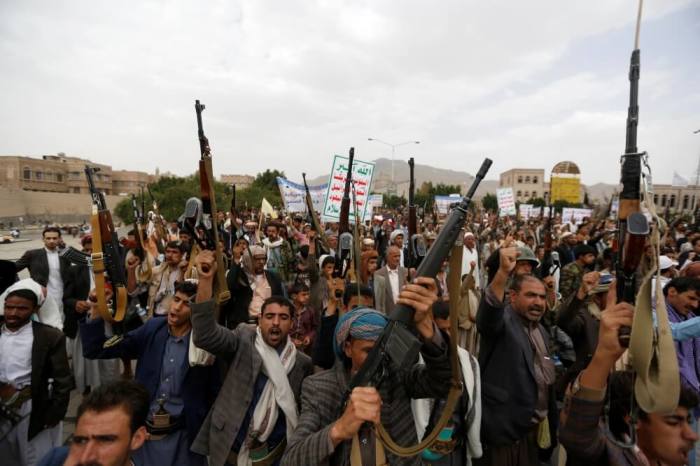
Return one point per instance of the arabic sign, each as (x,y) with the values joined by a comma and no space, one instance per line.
(442,203)
(294,195)
(375,200)
(506,201)
(362,174)
(575,215)
(566,187)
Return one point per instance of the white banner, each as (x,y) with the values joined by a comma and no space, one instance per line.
(572,215)
(294,195)
(527,210)
(442,203)
(362,174)
(506,201)
(375,200)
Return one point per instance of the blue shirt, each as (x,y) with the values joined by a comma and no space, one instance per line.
(172,375)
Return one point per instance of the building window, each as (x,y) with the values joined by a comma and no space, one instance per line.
(672,201)
(686,201)
(656,199)
(27,173)
(49,175)
(520,179)
(76,190)
(527,194)
(520,193)
(534,179)
(534,194)
(663,200)
(59,177)
(527,179)
(39,176)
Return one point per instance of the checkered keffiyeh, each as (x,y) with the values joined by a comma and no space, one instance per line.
(361,323)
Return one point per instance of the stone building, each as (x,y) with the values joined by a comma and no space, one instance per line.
(676,198)
(527,183)
(65,174)
(241,181)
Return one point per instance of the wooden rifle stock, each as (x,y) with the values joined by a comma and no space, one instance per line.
(209,212)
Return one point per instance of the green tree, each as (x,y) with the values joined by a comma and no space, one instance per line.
(537,202)
(490,202)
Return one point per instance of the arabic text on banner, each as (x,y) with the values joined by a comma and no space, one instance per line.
(294,195)
(506,201)
(442,203)
(569,214)
(362,174)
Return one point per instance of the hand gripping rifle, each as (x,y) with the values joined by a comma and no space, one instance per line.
(313,219)
(106,255)
(416,245)
(633,226)
(344,254)
(208,211)
(397,348)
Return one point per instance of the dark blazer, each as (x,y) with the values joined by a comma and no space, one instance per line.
(147,345)
(236,310)
(221,426)
(508,386)
(323,399)
(49,361)
(76,288)
(38,264)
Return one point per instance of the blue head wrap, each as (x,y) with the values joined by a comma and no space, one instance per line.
(361,323)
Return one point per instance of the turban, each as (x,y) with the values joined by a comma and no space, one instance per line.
(361,323)
(29,285)
(394,234)
(257,251)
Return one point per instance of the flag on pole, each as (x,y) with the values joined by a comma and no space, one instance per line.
(267,209)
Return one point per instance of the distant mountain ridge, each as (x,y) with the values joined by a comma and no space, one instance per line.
(424,173)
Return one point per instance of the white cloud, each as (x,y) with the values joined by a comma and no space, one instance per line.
(287,84)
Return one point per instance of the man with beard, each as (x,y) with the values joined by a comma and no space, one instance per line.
(46,266)
(250,285)
(517,378)
(35,379)
(111,426)
(662,438)
(332,427)
(162,278)
(180,394)
(279,252)
(566,248)
(258,406)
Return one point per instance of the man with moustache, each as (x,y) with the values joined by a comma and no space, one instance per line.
(180,394)
(519,411)
(35,380)
(258,406)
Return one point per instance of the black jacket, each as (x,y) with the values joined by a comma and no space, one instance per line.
(76,288)
(38,264)
(236,310)
(49,361)
(508,386)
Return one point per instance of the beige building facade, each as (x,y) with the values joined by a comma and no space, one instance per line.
(676,198)
(527,183)
(241,181)
(66,174)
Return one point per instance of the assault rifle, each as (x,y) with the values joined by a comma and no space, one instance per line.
(210,230)
(321,241)
(345,252)
(545,269)
(416,245)
(633,226)
(139,250)
(106,255)
(397,347)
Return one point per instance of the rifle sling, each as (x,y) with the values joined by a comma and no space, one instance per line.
(454,283)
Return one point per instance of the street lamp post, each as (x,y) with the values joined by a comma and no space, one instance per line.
(393,152)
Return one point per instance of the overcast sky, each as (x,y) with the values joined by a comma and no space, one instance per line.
(288,83)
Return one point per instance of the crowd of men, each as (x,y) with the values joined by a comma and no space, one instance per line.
(264,378)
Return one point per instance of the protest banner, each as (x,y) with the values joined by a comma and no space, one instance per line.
(362,174)
(294,195)
(506,201)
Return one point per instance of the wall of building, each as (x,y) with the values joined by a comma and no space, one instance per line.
(19,206)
